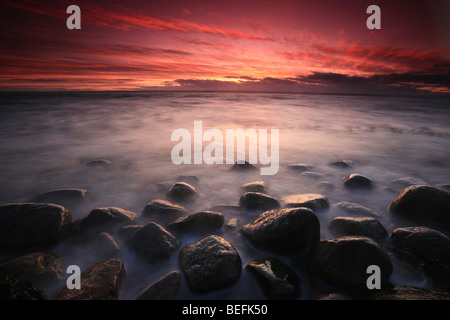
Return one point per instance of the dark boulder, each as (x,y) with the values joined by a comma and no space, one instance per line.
(357,226)
(277,280)
(200,222)
(357,209)
(125,232)
(105,246)
(12,289)
(308,200)
(153,243)
(102,281)
(343,164)
(300,167)
(255,186)
(26,226)
(246,166)
(286,231)
(165,288)
(400,292)
(163,211)
(358,181)
(107,219)
(343,262)
(182,192)
(255,201)
(63,197)
(209,264)
(423,202)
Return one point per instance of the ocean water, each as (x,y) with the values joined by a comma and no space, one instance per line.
(46,139)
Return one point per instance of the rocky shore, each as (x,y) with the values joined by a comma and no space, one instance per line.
(293,256)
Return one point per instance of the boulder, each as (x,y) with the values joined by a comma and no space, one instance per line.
(26,226)
(102,281)
(334,296)
(308,200)
(246,166)
(400,292)
(163,211)
(300,167)
(342,262)
(12,289)
(105,246)
(193,180)
(423,202)
(357,226)
(277,280)
(285,231)
(166,288)
(444,186)
(107,219)
(358,181)
(125,232)
(62,197)
(357,209)
(182,192)
(209,264)
(200,222)
(325,186)
(255,201)
(153,243)
(255,186)
(102,163)
(312,175)
(343,164)
(42,269)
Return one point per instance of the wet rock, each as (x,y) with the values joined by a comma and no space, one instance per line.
(166,288)
(277,280)
(42,269)
(193,180)
(343,164)
(400,292)
(26,226)
(209,264)
(255,186)
(246,166)
(182,192)
(354,208)
(325,186)
(105,246)
(62,197)
(357,226)
(423,202)
(431,247)
(12,289)
(153,243)
(309,200)
(358,181)
(300,167)
(285,231)
(102,281)
(125,232)
(200,222)
(163,211)
(255,201)
(342,262)
(107,219)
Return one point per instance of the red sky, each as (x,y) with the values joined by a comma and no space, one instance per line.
(233,45)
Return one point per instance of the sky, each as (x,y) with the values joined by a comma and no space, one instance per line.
(283,46)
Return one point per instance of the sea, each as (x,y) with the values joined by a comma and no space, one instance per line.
(47,140)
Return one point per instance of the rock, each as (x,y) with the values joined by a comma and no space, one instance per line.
(431,247)
(255,186)
(42,269)
(26,226)
(163,211)
(400,292)
(193,180)
(325,186)
(125,232)
(200,222)
(62,197)
(105,246)
(285,231)
(246,166)
(357,226)
(312,175)
(209,264)
(277,280)
(444,186)
(309,200)
(358,181)
(342,262)
(300,167)
(153,243)
(354,208)
(99,163)
(255,201)
(344,164)
(423,202)
(165,288)
(102,281)
(182,192)
(11,289)
(333,296)
(408,181)
(107,219)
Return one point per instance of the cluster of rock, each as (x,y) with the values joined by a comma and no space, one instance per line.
(286,228)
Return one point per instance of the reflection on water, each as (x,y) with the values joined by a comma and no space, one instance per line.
(46,140)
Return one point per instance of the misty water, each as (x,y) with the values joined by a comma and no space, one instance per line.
(46,139)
